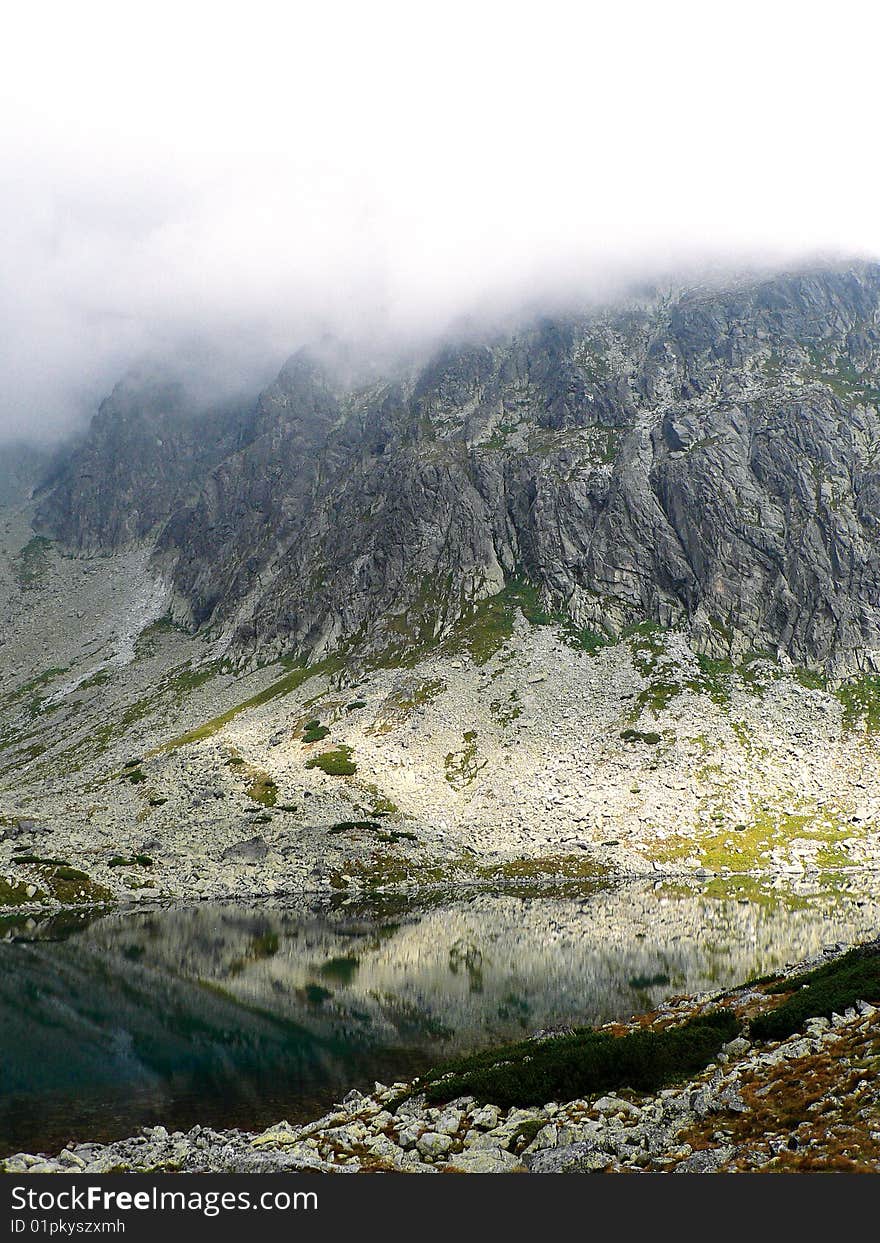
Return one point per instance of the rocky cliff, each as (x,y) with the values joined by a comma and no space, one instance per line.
(707,456)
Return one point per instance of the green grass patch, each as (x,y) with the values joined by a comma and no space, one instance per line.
(828,990)
(188,679)
(336,763)
(71,886)
(263,790)
(14,893)
(283,686)
(543,870)
(860,698)
(588,1062)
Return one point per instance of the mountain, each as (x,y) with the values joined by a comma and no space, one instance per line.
(705,457)
(595,593)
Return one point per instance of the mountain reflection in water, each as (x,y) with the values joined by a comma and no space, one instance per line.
(239,1015)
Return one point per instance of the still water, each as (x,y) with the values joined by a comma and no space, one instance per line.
(239,1015)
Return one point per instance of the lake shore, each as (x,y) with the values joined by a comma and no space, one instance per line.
(767,1098)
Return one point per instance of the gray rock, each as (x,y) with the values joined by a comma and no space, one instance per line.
(254,850)
(707,1161)
(585,1157)
(433,1144)
(484,1161)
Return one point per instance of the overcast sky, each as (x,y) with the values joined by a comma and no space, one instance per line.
(258,172)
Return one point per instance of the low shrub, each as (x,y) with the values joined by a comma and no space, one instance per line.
(828,990)
(637,735)
(588,1062)
(61,863)
(348,826)
(314,731)
(74,875)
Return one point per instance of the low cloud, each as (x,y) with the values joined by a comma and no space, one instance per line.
(251,178)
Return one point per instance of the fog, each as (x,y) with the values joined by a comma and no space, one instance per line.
(230,181)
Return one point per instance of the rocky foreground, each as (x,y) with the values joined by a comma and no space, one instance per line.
(808,1102)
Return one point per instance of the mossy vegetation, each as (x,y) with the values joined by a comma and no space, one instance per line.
(484,627)
(188,678)
(506,711)
(15,893)
(840,374)
(406,700)
(382,806)
(830,989)
(542,868)
(32,564)
(73,887)
(860,699)
(263,790)
(750,845)
(650,737)
(43,860)
(462,767)
(337,763)
(33,685)
(314,731)
(587,1062)
(128,861)
(283,686)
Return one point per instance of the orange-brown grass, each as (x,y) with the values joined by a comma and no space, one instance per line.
(809,1098)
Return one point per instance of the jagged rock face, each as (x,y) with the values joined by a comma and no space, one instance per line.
(710,457)
(149,449)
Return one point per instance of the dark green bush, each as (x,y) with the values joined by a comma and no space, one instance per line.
(827,990)
(637,735)
(124,861)
(350,826)
(567,1067)
(314,731)
(39,859)
(71,874)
